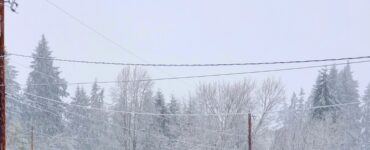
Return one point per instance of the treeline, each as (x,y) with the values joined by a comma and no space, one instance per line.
(212,118)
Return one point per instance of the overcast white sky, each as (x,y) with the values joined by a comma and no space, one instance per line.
(193,31)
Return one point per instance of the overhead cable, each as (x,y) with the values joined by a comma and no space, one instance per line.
(183,114)
(192,65)
(202,76)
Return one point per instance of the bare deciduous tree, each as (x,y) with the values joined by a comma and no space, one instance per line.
(269,97)
(131,97)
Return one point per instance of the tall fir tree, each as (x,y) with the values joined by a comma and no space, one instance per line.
(347,86)
(322,96)
(53,87)
(350,114)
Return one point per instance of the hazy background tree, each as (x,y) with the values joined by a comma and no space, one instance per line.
(161,122)
(365,134)
(133,96)
(224,98)
(15,126)
(270,96)
(78,118)
(174,129)
(98,130)
(349,115)
(44,81)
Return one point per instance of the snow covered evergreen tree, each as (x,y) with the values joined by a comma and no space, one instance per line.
(98,130)
(333,82)
(97,96)
(301,100)
(289,137)
(293,102)
(349,114)
(347,90)
(15,126)
(161,122)
(13,92)
(78,118)
(322,96)
(323,122)
(88,124)
(12,86)
(44,82)
(174,123)
(365,134)
(174,106)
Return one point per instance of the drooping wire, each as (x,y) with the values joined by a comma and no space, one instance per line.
(182,114)
(204,76)
(192,65)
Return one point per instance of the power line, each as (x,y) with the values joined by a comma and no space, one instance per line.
(205,76)
(32,106)
(124,112)
(192,65)
(53,107)
(100,34)
(141,113)
(183,114)
(213,131)
(106,110)
(79,21)
(44,74)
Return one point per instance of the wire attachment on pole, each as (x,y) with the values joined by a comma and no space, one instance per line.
(12,4)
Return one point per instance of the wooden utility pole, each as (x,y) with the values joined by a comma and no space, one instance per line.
(32,138)
(2,79)
(249,131)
